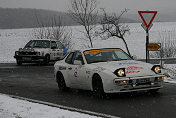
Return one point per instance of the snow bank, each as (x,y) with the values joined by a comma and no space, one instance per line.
(14,108)
(170,71)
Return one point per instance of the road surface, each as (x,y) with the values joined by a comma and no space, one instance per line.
(37,82)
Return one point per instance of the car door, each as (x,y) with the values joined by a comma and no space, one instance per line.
(53,53)
(60,49)
(77,73)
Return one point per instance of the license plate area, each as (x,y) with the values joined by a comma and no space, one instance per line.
(143,81)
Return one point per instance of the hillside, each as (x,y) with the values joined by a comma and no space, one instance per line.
(12,18)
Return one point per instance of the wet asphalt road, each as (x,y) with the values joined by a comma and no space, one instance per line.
(37,82)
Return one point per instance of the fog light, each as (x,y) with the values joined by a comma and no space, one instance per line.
(124,81)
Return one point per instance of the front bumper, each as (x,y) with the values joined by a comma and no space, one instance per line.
(135,84)
(29,58)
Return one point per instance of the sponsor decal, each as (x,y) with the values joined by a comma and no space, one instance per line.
(101,50)
(43,54)
(58,53)
(133,69)
(99,69)
(127,63)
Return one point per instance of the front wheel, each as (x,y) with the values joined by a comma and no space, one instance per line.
(47,59)
(61,82)
(19,62)
(98,87)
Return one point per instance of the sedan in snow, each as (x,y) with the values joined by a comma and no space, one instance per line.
(109,70)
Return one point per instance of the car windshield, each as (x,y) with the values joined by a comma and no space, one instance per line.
(105,55)
(38,44)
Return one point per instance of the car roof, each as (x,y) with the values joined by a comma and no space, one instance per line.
(45,39)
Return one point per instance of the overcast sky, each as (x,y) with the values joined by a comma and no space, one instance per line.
(163,6)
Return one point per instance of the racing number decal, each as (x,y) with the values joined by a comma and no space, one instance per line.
(76,73)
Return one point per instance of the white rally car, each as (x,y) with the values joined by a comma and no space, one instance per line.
(40,50)
(106,71)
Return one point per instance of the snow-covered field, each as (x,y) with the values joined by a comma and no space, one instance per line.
(13,39)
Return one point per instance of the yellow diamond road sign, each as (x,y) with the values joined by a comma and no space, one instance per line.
(153,46)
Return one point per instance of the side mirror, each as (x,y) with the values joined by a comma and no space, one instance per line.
(134,57)
(77,62)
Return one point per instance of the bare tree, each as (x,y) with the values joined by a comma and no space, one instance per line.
(53,29)
(168,45)
(111,26)
(84,13)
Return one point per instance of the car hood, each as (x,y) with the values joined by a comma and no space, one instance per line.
(132,67)
(32,49)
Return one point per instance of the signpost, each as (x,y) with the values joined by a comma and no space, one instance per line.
(147,18)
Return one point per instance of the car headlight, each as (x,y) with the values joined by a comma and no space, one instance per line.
(156,69)
(16,53)
(120,72)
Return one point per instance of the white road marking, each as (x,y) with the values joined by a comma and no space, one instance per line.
(64,107)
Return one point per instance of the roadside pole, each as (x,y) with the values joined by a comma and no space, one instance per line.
(147,42)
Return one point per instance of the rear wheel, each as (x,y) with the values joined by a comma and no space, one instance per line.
(61,82)
(98,87)
(47,59)
(19,62)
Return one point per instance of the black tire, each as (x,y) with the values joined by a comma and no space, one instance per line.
(47,60)
(98,90)
(19,62)
(153,91)
(61,82)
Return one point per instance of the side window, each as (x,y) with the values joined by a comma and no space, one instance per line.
(78,56)
(59,45)
(53,45)
(69,58)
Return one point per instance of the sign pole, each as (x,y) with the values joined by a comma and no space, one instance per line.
(147,42)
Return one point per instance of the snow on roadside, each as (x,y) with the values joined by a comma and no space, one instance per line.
(170,71)
(14,108)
